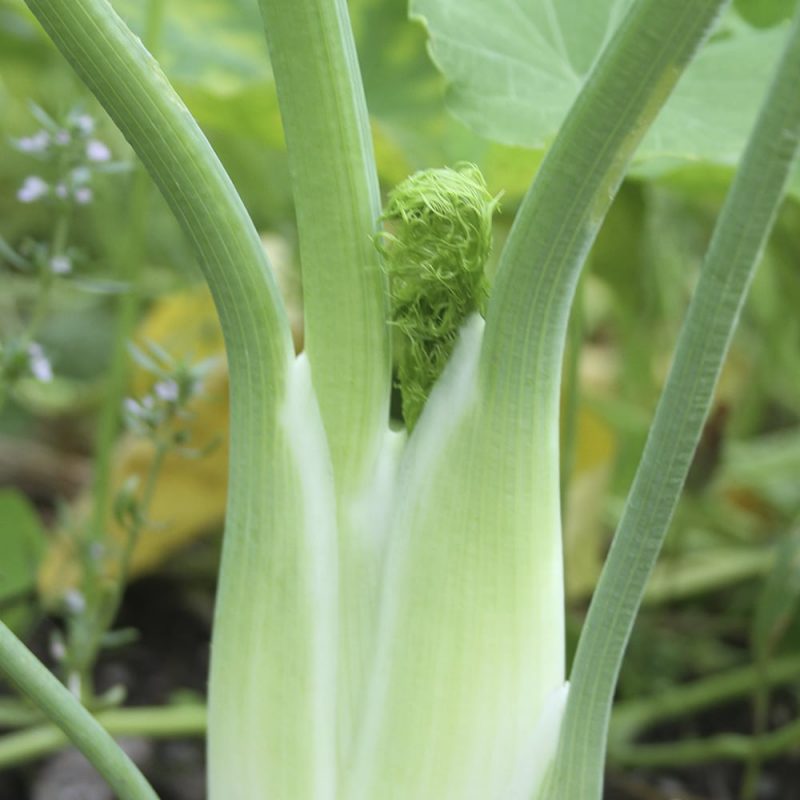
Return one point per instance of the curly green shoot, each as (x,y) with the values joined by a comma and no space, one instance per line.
(439,241)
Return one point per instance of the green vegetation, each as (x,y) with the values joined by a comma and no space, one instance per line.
(498,507)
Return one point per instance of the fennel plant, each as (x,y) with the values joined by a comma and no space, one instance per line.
(390,610)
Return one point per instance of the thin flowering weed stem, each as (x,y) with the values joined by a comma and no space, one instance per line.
(161,418)
(70,155)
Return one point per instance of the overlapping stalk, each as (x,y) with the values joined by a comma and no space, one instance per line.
(465,693)
(337,203)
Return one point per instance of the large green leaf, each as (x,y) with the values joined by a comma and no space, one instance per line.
(406,98)
(515,67)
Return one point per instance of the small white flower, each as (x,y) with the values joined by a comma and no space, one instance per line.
(84,123)
(58,649)
(132,407)
(167,390)
(37,143)
(33,188)
(38,364)
(81,175)
(60,265)
(62,137)
(97,551)
(83,195)
(61,191)
(97,151)
(74,601)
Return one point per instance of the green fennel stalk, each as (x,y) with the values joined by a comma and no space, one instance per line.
(337,203)
(266,487)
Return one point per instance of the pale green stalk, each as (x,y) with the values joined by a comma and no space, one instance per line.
(739,237)
(272,699)
(337,203)
(276,610)
(467,687)
(571,395)
(470,646)
(562,213)
(34,680)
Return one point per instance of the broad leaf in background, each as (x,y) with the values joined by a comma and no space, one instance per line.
(406,98)
(21,547)
(515,68)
